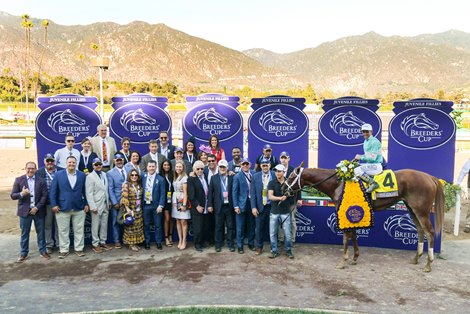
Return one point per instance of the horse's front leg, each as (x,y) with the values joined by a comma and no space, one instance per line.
(356,247)
(344,259)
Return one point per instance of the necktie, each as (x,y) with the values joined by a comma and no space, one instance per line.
(105,152)
(70,153)
(123,175)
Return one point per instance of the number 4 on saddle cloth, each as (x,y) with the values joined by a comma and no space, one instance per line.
(388,186)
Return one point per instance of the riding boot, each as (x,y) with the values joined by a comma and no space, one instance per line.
(372,184)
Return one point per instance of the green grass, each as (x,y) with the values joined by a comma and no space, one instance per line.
(214,310)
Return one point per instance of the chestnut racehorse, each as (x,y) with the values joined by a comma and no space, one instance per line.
(418,190)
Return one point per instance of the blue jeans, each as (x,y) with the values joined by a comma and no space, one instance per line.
(274,221)
(262,225)
(151,216)
(25,225)
(115,226)
(247,219)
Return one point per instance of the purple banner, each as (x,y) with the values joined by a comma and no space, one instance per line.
(339,128)
(214,114)
(140,117)
(62,114)
(423,130)
(280,122)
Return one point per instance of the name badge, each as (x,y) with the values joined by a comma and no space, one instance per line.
(137,205)
(265,196)
(225,194)
(168,197)
(147,196)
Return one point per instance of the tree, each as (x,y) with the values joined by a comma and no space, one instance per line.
(27,25)
(309,94)
(95,48)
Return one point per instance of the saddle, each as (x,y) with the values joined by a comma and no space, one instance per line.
(388,185)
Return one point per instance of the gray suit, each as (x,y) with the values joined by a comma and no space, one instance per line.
(147,158)
(97,196)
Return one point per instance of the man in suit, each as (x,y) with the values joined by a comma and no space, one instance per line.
(260,204)
(68,201)
(31,192)
(198,190)
(241,204)
(47,173)
(116,178)
(154,155)
(165,148)
(221,204)
(96,187)
(154,197)
(104,146)
(188,167)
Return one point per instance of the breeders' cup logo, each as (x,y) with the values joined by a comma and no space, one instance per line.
(56,121)
(422,128)
(133,117)
(141,122)
(278,124)
(212,118)
(342,125)
(401,228)
(332,223)
(304,225)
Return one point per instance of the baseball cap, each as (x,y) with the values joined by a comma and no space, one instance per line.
(245,161)
(118,156)
(223,163)
(267,146)
(178,149)
(49,156)
(366,127)
(265,161)
(96,160)
(279,167)
(284,154)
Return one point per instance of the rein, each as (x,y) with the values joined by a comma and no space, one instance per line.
(291,191)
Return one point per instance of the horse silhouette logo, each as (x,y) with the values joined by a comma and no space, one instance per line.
(274,117)
(301,219)
(137,116)
(419,121)
(347,119)
(64,117)
(208,115)
(401,222)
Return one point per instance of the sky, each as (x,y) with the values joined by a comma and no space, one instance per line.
(277,25)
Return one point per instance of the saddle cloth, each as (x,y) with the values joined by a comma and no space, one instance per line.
(388,186)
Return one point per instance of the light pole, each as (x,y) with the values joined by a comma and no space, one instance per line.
(102,63)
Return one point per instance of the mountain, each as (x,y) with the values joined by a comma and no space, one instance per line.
(373,63)
(139,52)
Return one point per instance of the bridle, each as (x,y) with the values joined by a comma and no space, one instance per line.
(290,190)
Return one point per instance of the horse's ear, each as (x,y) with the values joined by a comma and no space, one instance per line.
(301,164)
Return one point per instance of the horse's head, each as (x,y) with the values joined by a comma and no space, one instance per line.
(280,118)
(68,117)
(139,116)
(292,183)
(423,122)
(208,115)
(345,119)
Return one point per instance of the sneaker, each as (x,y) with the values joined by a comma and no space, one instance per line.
(251,247)
(63,255)
(289,254)
(106,247)
(21,259)
(218,249)
(240,250)
(258,251)
(118,246)
(79,253)
(274,255)
(466,229)
(96,249)
(49,250)
(45,255)
(232,249)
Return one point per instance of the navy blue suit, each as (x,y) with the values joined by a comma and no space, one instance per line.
(115,181)
(223,212)
(64,196)
(241,200)
(262,220)
(150,210)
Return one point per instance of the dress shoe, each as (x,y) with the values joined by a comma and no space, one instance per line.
(63,255)
(251,247)
(289,254)
(466,229)
(118,246)
(106,247)
(218,249)
(159,246)
(97,249)
(231,249)
(49,250)
(147,246)
(240,250)
(21,259)
(79,253)
(274,255)
(198,248)
(258,251)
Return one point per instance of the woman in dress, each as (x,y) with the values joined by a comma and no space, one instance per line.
(85,163)
(215,147)
(133,163)
(190,153)
(179,203)
(126,149)
(131,198)
(167,174)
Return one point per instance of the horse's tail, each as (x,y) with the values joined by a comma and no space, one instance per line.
(438,206)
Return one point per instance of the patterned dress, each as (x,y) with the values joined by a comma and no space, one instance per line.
(132,197)
(178,196)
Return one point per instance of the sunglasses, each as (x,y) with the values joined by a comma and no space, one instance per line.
(98,164)
(70,141)
(199,169)
(163,137)
(210,160)
(365,131)
(223,167)
(268,150)
(134,175)
(279,170)
(50,160)
(125,144)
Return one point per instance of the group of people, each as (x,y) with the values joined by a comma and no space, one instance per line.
(229,202)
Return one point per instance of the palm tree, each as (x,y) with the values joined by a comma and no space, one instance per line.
(45,24)
(27,25)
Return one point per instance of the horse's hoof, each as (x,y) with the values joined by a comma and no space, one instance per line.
(341,265)
(414,261)
(353,262)
(427,269)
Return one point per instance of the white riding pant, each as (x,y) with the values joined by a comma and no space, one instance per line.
(370,169)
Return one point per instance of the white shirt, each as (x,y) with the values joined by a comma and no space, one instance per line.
(164,151)
(31,182)
(210,174)
(62,154)
(72,178)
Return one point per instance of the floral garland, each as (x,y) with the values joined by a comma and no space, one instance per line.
(355,209)
(345,170)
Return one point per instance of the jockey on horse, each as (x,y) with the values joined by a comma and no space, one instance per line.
(371,161)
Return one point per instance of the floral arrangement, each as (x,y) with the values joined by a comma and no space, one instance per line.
(450,192)
(345,170)
(205,148)
(355,209)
